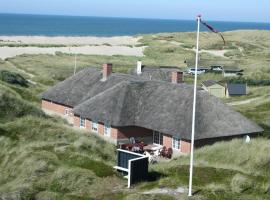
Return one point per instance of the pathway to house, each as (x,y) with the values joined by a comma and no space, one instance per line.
(237,103)
(168,191)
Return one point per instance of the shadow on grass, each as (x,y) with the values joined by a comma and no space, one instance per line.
(154,176)
(266,132)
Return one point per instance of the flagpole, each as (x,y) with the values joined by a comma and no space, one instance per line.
(194,109)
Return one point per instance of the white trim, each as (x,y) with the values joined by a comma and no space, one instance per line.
(130,152)
(92,123)
(159,134)
(129,166)
(129,174)
(105,127)
(81,118)
(120,168)
(179,144)
(66,112)
(129,163)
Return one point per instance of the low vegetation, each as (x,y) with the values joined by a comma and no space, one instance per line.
(42,157)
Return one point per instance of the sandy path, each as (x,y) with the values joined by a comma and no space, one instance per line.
(6,52)
(213,52)
(236,103)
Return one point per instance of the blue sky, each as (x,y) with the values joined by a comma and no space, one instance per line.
(224,10)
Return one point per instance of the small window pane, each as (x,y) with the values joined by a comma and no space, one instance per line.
(176,143)
(82,122)
(94,126)
(107,130)
(157,138)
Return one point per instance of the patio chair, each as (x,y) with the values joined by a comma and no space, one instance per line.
(163,152)
(169,153)
(151,158)
(132,140)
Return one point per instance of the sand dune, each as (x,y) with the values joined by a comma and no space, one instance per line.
(122,45)
(119,40)
(7,52)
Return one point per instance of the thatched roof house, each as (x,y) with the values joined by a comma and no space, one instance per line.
(120,100)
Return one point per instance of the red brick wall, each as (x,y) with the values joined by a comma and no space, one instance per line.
(185,146)
(76,121)
(132,131)
(57,108)
(167,141)
(100,129)
(88,124)
(114,133)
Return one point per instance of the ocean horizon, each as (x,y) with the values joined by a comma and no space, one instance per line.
(57,25)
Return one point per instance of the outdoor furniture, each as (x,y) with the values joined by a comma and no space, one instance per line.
(151,158)
(134,146)
(152,147)
(169,153)
(132,140)
(163,152)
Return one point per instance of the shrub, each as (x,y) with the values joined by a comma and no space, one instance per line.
(250,82)
(13,78)
(12,107)
(240,183)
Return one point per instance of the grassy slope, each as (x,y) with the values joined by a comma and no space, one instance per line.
(42,158)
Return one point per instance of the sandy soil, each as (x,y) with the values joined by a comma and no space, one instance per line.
(122,45)
(119,40)
(6,52)
(213,52)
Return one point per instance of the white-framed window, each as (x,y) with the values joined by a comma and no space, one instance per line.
(107,130)
(82,122)
(157,138)
(95,126)
(176,142)
(66,111)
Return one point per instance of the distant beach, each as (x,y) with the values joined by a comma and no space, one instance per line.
(17,45)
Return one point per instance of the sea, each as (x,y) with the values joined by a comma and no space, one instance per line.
(51,25)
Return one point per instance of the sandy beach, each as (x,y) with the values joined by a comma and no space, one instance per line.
(122,45)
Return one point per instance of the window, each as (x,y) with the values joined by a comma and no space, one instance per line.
(82,122)
(107,130)
(175,143)
(66,111)
(94,126)
(157,138)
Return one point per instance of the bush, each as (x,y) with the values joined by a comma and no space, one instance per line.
(12,107)
(250,82)
(240,183)
(13,78)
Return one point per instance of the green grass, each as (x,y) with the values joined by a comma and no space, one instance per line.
(42,157)
(218,174)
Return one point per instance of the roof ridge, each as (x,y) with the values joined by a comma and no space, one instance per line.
(101,93)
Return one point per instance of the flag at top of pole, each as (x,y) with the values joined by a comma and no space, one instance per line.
(199,21)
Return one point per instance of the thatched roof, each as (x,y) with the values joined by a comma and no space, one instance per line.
(167,108)
(130,100)
(162,73)
(84,85)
